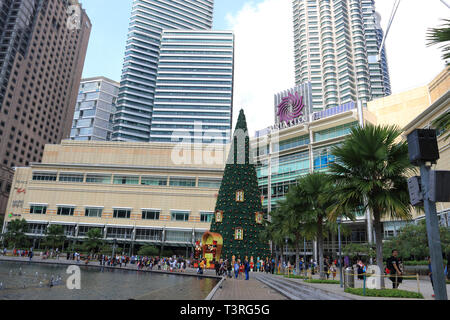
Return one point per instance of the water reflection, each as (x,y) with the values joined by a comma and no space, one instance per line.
(23,281)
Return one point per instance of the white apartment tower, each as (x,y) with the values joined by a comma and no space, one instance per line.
(336,46)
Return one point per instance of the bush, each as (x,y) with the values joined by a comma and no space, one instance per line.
(386,293)
(418,263)
(322,281)
(294,276)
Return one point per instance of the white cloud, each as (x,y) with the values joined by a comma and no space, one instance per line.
(264,53)
(264,59)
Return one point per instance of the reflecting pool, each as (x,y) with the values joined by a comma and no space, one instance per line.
(24,281)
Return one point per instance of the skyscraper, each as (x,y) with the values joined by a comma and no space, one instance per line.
(42,49)
(336,46)
(194,87)
(95,109)
(137,88)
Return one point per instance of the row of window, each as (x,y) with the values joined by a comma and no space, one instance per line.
(128,180)
(146,214)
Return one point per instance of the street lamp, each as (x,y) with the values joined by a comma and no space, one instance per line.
(286,251)
(339,220)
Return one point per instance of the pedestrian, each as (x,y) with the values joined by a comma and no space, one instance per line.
(333,270)
(236,269)
(246,269)
(360,270)
(394,265)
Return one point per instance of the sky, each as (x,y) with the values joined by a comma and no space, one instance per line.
(264,59)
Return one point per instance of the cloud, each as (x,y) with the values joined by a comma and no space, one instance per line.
(264,59)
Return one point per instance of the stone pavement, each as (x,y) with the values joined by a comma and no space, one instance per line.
(424,287)
(239,289)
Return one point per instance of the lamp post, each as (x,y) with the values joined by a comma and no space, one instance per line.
(304,256)
(339,220)
(286,261)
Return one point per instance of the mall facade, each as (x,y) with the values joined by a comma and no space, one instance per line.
(136,193)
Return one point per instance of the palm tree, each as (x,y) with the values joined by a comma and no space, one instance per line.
(15,233)
(441,35)
(274,232)
(55,236)
(370,172)
(311,199)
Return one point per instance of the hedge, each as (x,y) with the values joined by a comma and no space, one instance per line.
(322,281)
(295,277)
(387,293)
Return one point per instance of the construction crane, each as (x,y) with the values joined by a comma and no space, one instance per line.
(393,13)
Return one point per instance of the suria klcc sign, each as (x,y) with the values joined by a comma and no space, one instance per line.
(291,107)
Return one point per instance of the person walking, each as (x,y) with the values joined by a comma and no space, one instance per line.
(393,265)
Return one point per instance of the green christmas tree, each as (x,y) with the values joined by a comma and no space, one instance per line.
(239,213)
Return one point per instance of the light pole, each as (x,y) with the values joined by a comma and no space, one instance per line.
(339,220)
(304,255)
(286,261)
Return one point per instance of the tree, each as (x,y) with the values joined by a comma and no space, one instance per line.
(442,123)
(441,36)
(370,172)
(274,232)
(412,242)
(15,234)
(239,206)
(55,236)
(94,242)
(148,251)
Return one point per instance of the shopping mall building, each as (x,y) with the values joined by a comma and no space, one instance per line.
(165,194)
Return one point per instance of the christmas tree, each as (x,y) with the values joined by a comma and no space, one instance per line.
(238,214)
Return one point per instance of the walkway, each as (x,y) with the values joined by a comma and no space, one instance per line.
(239,289)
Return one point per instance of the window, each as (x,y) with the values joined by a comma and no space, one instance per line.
(148,234)
(94,178)
(119,233)
(148,214)
(126,180)
(38,209)
(93,212)
(44,176)
(154,181)
(240,196)
(219,216)
(209,183)
(206,216)
(182,182)
(180,215)
(65,211)
(239,234)
(122,213)
(71,177)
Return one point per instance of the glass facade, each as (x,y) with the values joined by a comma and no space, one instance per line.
(94,111)
(137,90)
(191,70)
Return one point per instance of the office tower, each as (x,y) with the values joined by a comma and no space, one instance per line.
(334,41)
(42,49)
(194,87)
(95,109)
(137,88)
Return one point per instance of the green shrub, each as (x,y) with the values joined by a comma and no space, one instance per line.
(148,251)
(295,276)
(322,281)
(418,263)
(387,293)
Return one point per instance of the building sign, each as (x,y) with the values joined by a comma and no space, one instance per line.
(290,108)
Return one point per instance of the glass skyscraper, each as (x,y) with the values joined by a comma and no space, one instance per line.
(194,87)
(336,47)
(95,108)
(149,18)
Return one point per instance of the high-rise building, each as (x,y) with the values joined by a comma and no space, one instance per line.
(42,49)
(194,87)
(336,47)
(95,109)
(137,88)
